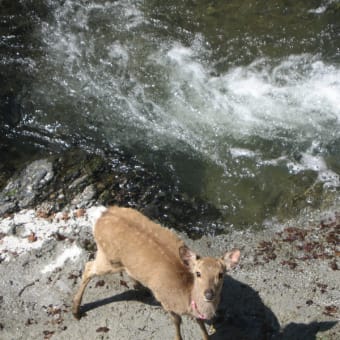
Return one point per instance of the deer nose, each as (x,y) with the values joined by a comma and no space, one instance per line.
(209,294)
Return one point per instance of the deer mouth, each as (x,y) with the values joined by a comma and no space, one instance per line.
(200,315)
(208,300)
(203,312)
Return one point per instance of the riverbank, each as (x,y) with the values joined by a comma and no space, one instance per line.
(75,178)
(206,116)
(286,286)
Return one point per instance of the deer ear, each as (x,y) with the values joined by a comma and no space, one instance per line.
(231,258)
(187,256)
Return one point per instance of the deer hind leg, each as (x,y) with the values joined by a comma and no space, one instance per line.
(177,321)
(99,266)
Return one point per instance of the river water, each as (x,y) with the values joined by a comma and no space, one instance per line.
(238,100)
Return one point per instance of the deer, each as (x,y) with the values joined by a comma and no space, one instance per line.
(153,256)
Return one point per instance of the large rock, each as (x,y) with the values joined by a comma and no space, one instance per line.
(22,190)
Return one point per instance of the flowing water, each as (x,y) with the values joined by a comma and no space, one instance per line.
(238,100)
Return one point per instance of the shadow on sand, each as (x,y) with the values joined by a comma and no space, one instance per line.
(242,315)
(142,295)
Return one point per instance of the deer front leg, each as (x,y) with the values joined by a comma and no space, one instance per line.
(87,275)
(100,266)
(204,330)
(177,321)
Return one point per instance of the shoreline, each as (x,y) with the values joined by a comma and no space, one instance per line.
(286,286)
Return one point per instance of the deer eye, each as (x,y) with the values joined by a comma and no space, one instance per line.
(198,274)
(220,276)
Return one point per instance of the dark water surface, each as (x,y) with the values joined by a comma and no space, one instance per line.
(237,101)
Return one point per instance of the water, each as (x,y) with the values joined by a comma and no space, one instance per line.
(239,102)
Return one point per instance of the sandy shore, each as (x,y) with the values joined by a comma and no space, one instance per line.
(286,286)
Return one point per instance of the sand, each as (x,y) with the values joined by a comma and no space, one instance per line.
(286,286)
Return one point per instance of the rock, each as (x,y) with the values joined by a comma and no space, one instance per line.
(84,199)
(6,206)
(78,179)
(12,110)
(22,189)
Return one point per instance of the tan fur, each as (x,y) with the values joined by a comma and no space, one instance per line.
(154,256)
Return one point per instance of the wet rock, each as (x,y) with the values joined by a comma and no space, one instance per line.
(76,179)
(11,110)
(84,199)
(22,190)
(6,206)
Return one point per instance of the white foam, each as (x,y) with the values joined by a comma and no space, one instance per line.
(119,53)
(300,93)
(323,7)
(178,98)
(240,152)
(196,106)
(317,164)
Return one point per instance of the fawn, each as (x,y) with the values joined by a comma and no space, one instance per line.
(183,282)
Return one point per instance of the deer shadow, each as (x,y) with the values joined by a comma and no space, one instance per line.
(141,295)
(242,315)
